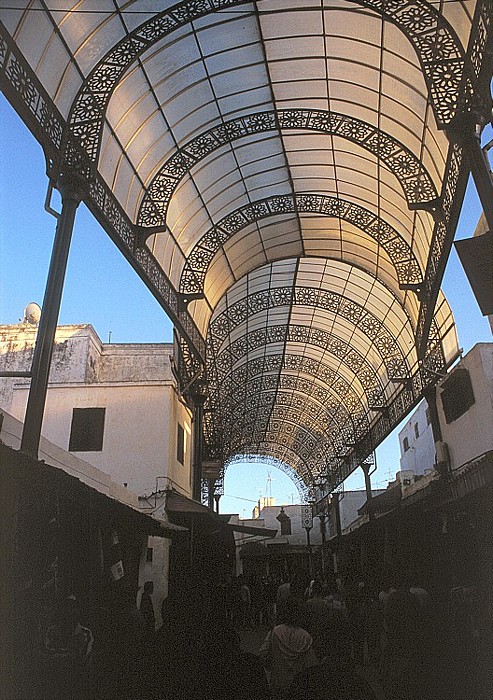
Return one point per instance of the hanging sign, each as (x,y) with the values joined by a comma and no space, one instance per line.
(306,517)
(117,570)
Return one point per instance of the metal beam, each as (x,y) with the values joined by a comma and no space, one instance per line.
(72,192)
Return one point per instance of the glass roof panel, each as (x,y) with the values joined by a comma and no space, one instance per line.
(288,153)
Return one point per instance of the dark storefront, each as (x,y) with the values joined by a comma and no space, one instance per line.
(59,538)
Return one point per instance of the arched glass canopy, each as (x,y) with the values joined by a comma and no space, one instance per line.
(284,177)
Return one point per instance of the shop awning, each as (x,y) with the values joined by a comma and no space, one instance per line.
(177,503)
(64,484)
(251,530)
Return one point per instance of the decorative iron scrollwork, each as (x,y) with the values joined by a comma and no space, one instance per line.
(418,187)
(202,254)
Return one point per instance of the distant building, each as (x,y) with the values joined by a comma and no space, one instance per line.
(282,553)
(349,504)
(465,408)
(416,442)
(288,550)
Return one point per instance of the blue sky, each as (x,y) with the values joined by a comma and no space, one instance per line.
(102,289)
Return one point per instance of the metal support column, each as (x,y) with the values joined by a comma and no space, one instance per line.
(430,395)
(217,498)
(309,551)
(337,511)
(466,131)
(210,493)
(323,533)
(369,495)
(72,193)
(198,419)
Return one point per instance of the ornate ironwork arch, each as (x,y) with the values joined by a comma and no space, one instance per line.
(300,438)
(323,402)
(295,416)
(331,343)
(437,46)
(243,384)
(200,258)
(366,377)
(248,385)
(369,324)
(418,187)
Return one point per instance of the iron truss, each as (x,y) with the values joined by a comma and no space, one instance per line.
(354,313)
(450,76)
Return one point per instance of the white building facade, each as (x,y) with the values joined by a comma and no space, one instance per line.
(416,442)
(465,413)
(465,407)
(112,407)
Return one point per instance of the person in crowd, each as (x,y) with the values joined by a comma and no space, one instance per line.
(230,673)
(283,590)
(124,652)
(308,593)
(287,649)
(332,597)
(341,591)
(335,676)
(179,670)
(270,593)
(65,655)
(245,603)
(147,606)
(327,681)
(316,613)
(409,672)
(257,601)
(366,625)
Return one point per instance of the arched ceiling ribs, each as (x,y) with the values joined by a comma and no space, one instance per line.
(251,390)
(291,362)
(308,470)
(440,52)
(276,421)
(301,439)
(395,361)
(248,385)
(400,253)
(449,77)
(303,412)
(292,415)
(417,185)
(325,399)
(329,342)
(297,438)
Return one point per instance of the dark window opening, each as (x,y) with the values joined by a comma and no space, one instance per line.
(87,429)
(405,444)
(416,430)
(428,416)
(180,444)
(457,395)
(149,554)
